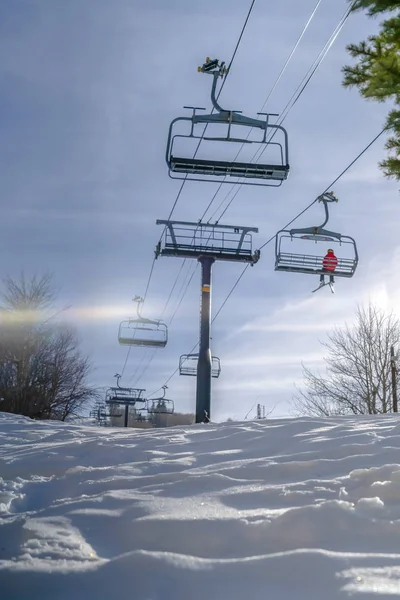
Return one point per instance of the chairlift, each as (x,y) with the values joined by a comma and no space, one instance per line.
(142,332)
(101,415)
(313,262)
(123,395)
(188,365)
(194,168)
(160,405)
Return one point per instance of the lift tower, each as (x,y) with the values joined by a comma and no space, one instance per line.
(206,243)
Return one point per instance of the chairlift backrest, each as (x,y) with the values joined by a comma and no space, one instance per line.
(143,332)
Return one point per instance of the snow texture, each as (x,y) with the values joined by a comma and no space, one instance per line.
(291,509)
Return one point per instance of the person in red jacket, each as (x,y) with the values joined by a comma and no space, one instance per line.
(329,264)
(330,261)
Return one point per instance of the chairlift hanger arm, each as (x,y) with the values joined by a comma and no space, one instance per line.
(139,301)
(214,68)
(325,198)
(313,231)
(319,229)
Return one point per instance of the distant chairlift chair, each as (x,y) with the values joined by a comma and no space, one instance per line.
(188,365)
(142,332)
(272,174)
(160,405)
(310,264)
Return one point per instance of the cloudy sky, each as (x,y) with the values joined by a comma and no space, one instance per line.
(88,89)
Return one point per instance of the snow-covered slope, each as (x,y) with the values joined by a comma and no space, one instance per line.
(281,509)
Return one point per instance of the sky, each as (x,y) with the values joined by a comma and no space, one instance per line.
(88,90)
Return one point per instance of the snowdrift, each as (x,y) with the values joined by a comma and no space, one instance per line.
(283,509)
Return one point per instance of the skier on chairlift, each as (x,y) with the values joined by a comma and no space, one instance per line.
(330,261)
(329,264)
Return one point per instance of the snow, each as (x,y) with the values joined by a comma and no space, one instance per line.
(283,509)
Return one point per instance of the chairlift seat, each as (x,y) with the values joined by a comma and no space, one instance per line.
(233,169)
(184,250)
(209,248)
(303,263)
(126,341)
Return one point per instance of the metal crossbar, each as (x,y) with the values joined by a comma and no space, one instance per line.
(195,239)
(209,248)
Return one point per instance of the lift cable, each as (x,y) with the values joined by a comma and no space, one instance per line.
(282,71)
(292,52)
(292,101)
(306,80)
(146,366)
(184,292)
(172,289)
(138,366)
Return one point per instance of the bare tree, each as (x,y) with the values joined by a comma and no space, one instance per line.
(42,372)
(358,369)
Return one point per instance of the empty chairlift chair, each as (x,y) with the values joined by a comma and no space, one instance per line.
(313,260)
(188,365)
(234,131)
(142,332)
